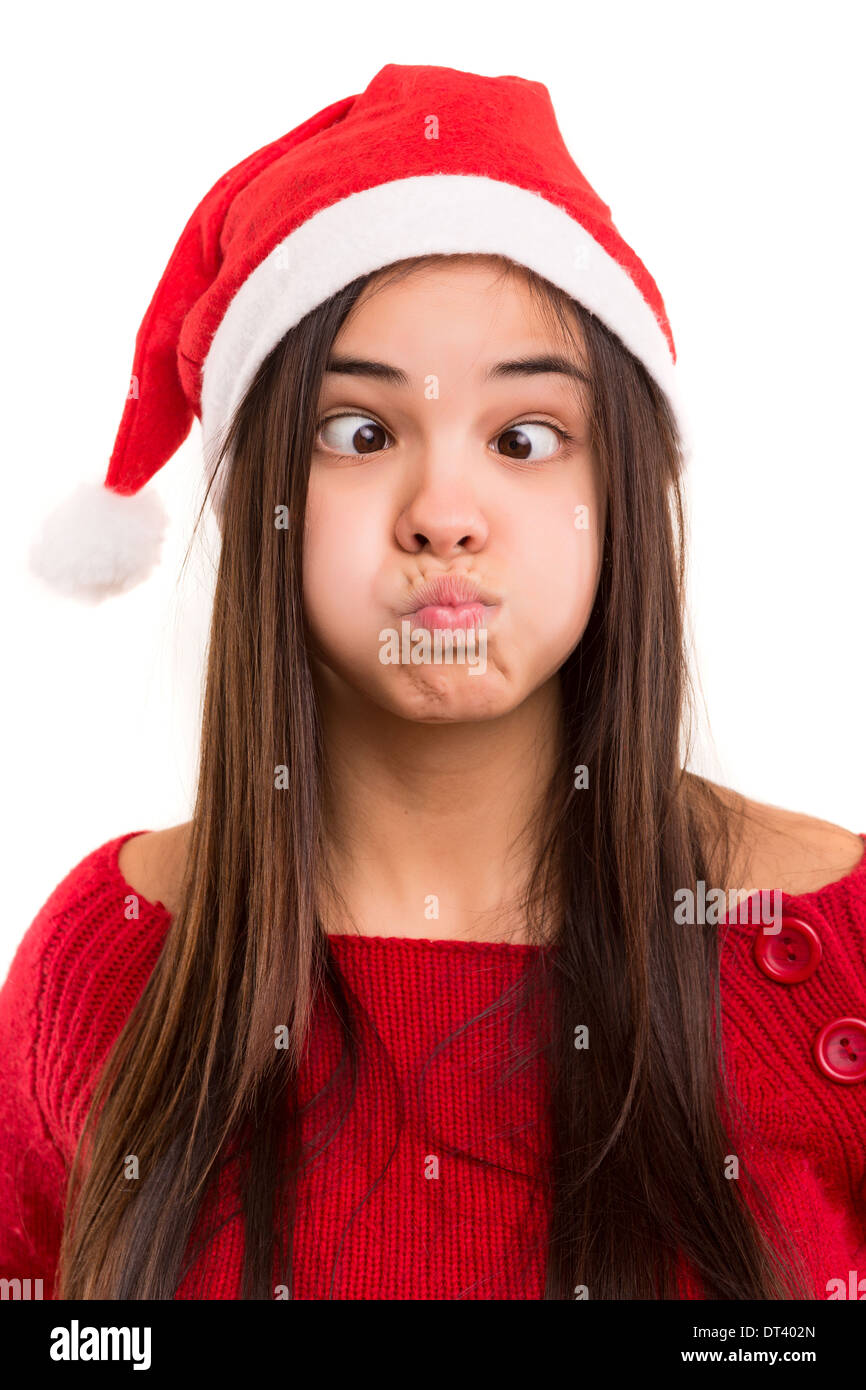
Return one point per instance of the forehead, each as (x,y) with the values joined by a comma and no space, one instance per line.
(464,300)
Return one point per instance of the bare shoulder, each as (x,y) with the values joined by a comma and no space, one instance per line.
(776,848)
(154,863)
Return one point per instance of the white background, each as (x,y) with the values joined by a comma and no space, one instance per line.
(728,141)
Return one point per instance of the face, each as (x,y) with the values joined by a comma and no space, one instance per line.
(454,504)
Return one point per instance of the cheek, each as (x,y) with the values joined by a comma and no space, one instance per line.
(553,572)
(547,567)
(342,545)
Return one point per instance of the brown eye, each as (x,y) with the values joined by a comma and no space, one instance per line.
(531,434)
(341,434)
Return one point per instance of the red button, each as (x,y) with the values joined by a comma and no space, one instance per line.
(840,1049)
(792,954)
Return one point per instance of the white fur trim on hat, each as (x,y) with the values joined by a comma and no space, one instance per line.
(450,213)
(98,542)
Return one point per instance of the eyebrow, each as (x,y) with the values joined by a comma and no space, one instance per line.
(523,366)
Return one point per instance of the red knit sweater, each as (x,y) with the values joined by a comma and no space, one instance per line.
(439,1224)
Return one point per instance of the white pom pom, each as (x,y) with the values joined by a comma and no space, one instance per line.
(98,543)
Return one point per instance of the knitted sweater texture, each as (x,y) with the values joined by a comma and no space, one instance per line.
(430,1181)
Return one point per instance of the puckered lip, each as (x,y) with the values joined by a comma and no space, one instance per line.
(449,591)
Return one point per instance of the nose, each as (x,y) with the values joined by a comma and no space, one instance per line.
(443,514)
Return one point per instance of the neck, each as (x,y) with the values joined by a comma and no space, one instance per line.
(427,819)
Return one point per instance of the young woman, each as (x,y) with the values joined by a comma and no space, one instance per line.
(423,1002)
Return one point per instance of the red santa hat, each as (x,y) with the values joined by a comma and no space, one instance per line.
(426,159)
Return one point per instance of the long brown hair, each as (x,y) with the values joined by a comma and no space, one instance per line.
(642,1123)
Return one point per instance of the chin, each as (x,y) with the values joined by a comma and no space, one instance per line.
(427,696)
